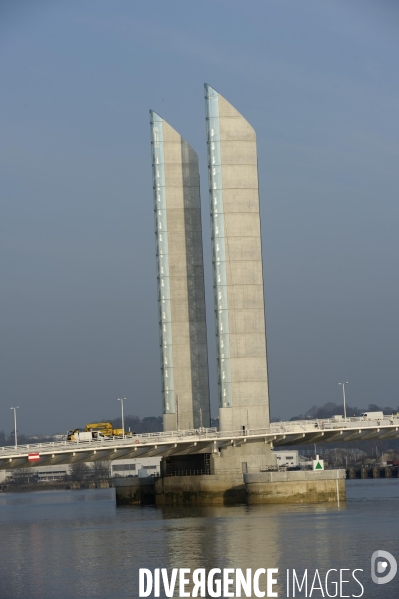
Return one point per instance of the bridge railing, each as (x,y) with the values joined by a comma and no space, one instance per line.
(202,434)
(140,439)
(331,423)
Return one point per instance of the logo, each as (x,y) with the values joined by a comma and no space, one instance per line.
(379,564)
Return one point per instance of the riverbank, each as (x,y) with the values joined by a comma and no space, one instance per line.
(56,486)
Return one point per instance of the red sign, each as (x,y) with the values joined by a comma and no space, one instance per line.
(33,456)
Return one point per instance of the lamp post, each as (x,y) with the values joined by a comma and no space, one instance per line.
(343,391)
(123,420)
(15,425)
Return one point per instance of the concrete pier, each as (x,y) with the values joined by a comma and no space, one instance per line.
(135,490)
(243,457)
(213,489)
(307,486)
(228,489)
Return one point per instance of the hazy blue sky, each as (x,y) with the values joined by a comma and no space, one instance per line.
(319,81)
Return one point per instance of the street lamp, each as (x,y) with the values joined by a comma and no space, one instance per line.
(123,420)
(15,425)
(343,391)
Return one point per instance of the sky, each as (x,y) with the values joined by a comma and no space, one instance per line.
(319,82)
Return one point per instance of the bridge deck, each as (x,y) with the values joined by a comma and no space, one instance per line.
(169,443)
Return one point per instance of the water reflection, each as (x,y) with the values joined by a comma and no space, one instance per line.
(78,544)
(248,536)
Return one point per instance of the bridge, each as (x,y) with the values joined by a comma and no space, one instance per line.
(175,443)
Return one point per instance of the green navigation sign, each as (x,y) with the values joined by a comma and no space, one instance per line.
(318,464)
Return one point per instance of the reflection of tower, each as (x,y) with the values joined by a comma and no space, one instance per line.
(254,541)
(237,266)
(216,537)
(181,296)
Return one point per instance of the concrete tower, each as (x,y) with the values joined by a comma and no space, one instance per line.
(237,266)
(180,271)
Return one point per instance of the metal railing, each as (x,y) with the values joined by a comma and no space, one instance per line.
(189,472)
(202,434)
(322,424)
(140,439)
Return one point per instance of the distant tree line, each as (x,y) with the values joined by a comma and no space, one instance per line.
(96,471)
(149,424)
(9,439)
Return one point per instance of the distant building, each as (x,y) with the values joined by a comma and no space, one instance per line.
(289,458)
(45,473)
(136,467)
(49,473)
(128,467)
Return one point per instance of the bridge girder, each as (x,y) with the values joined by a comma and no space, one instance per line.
(186,444)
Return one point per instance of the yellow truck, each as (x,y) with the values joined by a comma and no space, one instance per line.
(105,428)
(98,430)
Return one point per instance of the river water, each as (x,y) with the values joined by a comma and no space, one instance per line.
(79,544)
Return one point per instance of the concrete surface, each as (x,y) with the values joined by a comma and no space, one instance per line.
(200,490)
(181,292)
(237,261)
(256,488)
(135,490)
(295,487)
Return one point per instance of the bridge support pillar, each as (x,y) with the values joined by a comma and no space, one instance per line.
(235,474)
(252,488)
(135,490)
(211,489)
(246,457)
(307,486)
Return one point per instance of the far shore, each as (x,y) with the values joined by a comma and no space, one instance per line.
(56,486)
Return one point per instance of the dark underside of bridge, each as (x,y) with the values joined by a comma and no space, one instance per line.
(186,465)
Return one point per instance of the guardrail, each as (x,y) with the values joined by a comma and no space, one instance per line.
(331,423)
(203,434)
(205,472)
(141,439)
